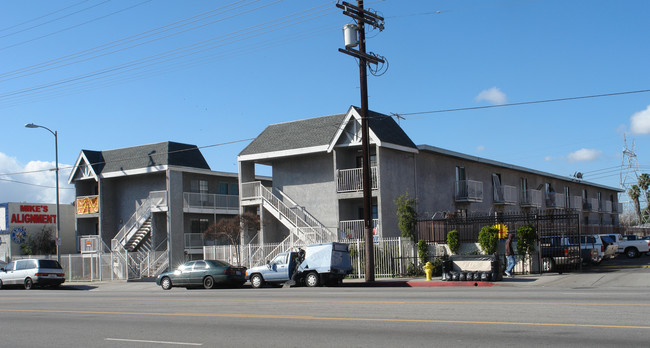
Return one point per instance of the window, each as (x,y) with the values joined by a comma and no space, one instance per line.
(373,161)
(199,225)
(200,265)
(567,200)
(460,174)
(233,189)
(223,188)
(524,190)
(496,185)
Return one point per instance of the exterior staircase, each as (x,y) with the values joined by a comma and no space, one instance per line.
(304,229)
(131,247)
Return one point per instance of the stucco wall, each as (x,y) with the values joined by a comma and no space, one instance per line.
(397,173)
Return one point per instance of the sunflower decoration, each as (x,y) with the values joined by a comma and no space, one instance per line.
(503,230)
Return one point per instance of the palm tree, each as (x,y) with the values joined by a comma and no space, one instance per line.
(634,194)
(644,184)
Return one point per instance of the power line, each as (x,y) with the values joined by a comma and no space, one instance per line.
(40,17)
(525,103)
(175,54)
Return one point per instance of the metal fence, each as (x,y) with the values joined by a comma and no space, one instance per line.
(386,251)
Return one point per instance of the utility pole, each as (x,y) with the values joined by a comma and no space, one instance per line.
(362,18)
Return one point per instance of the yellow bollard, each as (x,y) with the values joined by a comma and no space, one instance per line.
(428,270)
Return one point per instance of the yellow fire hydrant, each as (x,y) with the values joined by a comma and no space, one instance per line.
(428,270)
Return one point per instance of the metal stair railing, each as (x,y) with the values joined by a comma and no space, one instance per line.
(133,224)
(306,227)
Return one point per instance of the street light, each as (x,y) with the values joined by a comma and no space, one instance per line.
(56,152)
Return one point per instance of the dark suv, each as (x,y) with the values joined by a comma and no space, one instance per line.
(32,272)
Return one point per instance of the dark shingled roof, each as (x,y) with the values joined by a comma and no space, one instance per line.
(295,135)
(143,156)
(320,131)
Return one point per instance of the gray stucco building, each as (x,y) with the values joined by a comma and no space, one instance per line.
(150,203)
(316,166)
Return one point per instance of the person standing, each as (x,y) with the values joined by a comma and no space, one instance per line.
(510,255)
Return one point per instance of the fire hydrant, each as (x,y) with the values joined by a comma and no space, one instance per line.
(428,270)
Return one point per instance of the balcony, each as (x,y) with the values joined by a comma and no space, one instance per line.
(351,180)
(87,205)
(606,207)
(555,200)
(469,191)
(593,204)
(209,201)
(531,199)
(617,207)
(575,203)
(353,229)
(506,195)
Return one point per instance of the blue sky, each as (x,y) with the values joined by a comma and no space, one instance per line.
(113,74)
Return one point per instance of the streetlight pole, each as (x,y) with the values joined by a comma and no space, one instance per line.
(56,154)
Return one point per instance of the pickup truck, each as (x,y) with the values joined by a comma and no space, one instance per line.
(325,263)
(631,248)
(594,248)
(558,252)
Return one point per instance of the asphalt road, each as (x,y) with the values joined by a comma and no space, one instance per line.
(589,309)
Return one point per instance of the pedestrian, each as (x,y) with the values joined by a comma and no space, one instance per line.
(510,255)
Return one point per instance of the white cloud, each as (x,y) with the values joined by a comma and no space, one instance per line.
(480,148)
(548,158)
(492,95)
(640,122)
(36,185)
(584,155)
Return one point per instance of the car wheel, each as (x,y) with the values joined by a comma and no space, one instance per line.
(0,284)
(29,283)
(166,283)
(631,253)
(208,282)
(547,264)
(257,281)
(312,279)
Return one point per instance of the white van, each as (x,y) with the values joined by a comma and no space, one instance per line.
(32,272)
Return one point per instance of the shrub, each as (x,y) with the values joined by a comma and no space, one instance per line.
(453,241)
(488,238)
(526,240)
(406,215)
(423,251)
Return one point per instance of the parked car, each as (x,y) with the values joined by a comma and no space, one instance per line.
(630,247)
(32,272)
(325,263)
(559,252)
(203,273)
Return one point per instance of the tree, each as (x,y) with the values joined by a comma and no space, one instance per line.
(526,241)
(40,243)
(644,185)
(229,229)
(635,192)
(406,215)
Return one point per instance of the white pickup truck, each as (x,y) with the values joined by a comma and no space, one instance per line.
(631,248)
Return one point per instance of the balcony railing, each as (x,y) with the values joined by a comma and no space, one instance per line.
(353,229)
(575,203)
(593,204)
(210,201)
(469,191)
(606,207)
(351,180)
(617,207)
(531,198)
(555,200)
(505,195)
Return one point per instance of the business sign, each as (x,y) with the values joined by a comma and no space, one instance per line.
(33,214)
(87,205)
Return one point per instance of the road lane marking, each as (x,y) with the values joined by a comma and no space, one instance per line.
(156,342)
(204,300)
(309,317)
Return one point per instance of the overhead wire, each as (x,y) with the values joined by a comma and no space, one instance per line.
(42,16)
(181,52)
(76,25)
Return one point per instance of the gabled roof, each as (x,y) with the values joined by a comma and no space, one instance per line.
(321,134)
(159,155)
